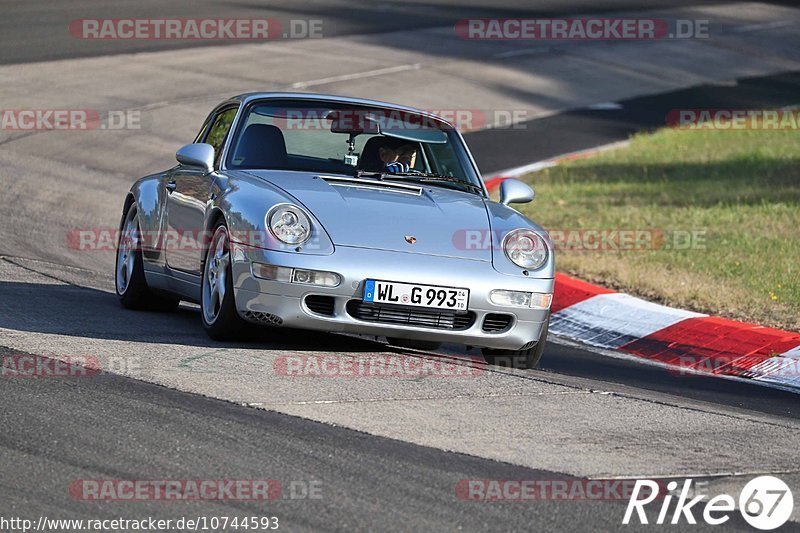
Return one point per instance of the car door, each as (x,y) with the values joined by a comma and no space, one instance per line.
(188,190)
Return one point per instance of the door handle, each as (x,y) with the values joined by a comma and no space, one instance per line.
(171,186)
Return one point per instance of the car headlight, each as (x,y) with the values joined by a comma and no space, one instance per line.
(289,224)
(525,248)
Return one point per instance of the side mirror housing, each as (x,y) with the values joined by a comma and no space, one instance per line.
(515,192)
(197,155)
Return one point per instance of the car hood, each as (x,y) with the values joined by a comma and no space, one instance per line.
(368,213)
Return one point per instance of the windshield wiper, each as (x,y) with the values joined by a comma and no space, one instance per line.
(421,177)
(425,177)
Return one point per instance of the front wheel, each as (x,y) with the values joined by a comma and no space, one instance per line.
(528,358)
(217,304)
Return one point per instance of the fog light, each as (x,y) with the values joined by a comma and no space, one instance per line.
(534,300)
(302,276)
(271,272)
(316,277)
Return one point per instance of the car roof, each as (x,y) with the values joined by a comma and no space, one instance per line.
(246,98)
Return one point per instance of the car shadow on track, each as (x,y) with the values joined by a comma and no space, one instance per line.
(84,312)
(56,309)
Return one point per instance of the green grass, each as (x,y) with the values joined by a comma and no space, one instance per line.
(739,189)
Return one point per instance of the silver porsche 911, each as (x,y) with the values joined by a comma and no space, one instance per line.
(342,215)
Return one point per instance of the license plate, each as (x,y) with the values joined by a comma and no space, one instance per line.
(392,292)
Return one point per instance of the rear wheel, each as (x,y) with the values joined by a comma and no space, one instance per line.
(131,285)
(217,304)
(528,358)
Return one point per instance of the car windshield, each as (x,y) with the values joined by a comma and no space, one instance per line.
(338,138)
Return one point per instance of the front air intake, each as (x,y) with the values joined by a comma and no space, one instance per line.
(265,319)
(321,305)
(412,316)
(496,322)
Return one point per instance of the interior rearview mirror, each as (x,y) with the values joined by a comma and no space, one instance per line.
(515,192)
(197,155)
(351,122)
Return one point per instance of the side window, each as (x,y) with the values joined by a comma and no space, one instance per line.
(219,130)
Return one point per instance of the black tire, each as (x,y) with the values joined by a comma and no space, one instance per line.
(220,318)
(428,346)
(524,359)
(129,281)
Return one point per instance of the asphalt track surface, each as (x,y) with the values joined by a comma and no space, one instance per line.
(121,428)
(58,430)
(581,129)
(37,31)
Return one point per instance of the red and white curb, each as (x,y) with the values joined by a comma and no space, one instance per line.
(686,342)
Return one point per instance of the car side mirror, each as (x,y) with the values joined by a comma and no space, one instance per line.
(515,192)
(197,155)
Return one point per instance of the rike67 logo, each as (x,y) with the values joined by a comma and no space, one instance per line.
(765,503)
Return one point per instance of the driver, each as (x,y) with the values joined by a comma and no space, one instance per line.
(407,155)
(397,155)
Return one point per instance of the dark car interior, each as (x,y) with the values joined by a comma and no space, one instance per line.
(263,146)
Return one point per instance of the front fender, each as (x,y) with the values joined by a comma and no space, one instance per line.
(244,200)
(503,219)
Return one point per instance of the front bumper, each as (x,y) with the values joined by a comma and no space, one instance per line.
(282,303)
